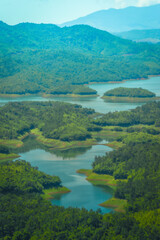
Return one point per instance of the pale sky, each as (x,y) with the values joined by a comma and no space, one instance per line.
(59,11)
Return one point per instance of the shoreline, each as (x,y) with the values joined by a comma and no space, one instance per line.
(129,99)
(124,80)
(47,95)
(74,95)
(60,145)
(99,179)
(7,157)
(115,203)
(105,180)
(51,192)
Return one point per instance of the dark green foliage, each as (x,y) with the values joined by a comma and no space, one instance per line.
(56,120)
(147,114)
(25,215)
(139,162)
(130,92)
(43,58)
(20,177)
(4,149)
(28,216)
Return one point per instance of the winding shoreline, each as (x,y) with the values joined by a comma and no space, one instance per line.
(74,95)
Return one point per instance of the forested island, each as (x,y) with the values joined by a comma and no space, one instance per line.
(45,59)
(132,170)
(130,94)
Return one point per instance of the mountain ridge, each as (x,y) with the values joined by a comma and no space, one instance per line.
(121,20)
(47,59)
(149,35)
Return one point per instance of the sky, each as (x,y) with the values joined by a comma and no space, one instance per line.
(59,11)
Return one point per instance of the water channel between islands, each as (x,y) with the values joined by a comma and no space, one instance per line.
(65,163)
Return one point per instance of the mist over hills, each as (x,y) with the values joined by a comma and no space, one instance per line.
(121,20)
(44,58)
(149,35)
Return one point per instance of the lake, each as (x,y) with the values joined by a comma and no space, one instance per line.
(65,163)
(98,104)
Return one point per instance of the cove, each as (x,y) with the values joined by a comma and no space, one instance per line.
(83,193)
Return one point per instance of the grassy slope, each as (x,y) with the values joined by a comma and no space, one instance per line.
(51,192)
(105,180)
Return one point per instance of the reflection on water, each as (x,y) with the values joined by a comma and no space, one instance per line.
(83,193)
(30,143)
(60,163)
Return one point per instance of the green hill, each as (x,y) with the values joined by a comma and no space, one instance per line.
(129,92)
(44,58)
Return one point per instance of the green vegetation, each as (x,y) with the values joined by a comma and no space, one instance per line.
(7,156)
(99,179)
(19,177)
(47,59)
(117,204)
(55,124)
(122,94)
(24,214)
(51,192)
(148,114)
(132,171)
(130,92)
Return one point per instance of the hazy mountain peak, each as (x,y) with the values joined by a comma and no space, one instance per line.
(120,20)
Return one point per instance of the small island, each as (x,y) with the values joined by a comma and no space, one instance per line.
(57,91)
(122,94)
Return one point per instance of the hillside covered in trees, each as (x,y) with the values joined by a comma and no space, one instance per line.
(130,92)
(148,114)
(122,94)
(24,214)
(47,59)
(55,120)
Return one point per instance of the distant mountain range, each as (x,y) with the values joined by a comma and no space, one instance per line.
(44,58)
(151,35)
(121,20)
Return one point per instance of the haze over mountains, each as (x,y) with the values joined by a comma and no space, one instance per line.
(149,35)
(121,20)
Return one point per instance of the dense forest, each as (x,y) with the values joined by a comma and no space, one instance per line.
(19,177)
(44,58)
(130,92)
(146,114)
(56,120)
(25,214)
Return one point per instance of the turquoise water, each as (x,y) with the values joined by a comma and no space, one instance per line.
(65,163)
(83,193)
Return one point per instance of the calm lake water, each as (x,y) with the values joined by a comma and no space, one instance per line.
(65,163)
(152,84)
